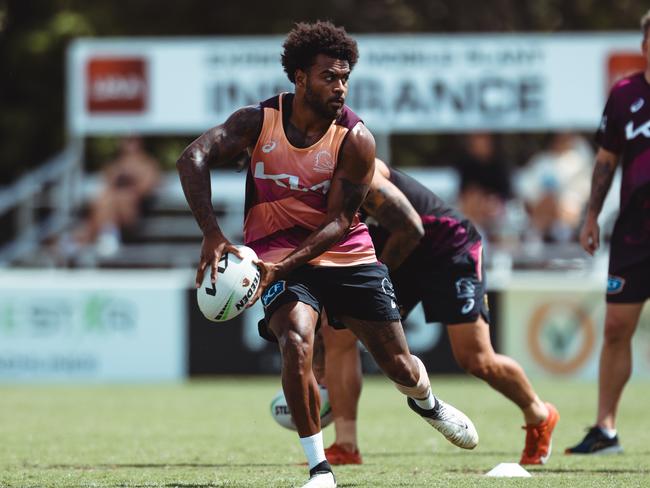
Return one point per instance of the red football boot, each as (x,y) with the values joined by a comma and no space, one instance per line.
(538,439)
(335,454)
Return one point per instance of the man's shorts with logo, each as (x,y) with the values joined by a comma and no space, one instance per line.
(629,284)
(363,292)
(452,291)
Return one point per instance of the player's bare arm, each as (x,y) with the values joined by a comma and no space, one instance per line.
(601,181)
(392,210)
(349,188)
(218,145)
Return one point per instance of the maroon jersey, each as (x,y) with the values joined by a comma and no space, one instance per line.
(447,233)
(625,130)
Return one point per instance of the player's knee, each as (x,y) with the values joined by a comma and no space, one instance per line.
(481,366)
(296,347)
(617,330)
(401,369)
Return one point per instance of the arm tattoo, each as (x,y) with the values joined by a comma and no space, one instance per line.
(392,214)
(353,195)
(600,183)
(195,180)
(374,199)
(218,145)
(392,210)
(395,215)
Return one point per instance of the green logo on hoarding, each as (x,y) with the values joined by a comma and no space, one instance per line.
(7,319)
(104,314)
(43,317)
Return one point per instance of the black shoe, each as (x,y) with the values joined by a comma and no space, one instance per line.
(595,442)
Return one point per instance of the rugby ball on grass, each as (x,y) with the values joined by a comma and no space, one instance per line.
(237,282)
(280,409)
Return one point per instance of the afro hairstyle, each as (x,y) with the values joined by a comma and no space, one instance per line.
(305,41)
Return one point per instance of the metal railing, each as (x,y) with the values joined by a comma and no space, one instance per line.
(40,204)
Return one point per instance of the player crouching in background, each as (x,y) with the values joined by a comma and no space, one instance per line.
(434,256)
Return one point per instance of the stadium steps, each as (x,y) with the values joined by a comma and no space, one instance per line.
(569,255)
(167,235)
(159,228)
(151,255)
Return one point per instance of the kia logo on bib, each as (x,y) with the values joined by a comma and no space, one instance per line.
(632,133)
(292,182)
(116,85)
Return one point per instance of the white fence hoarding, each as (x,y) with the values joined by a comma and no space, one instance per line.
(402,83)
(552,323)
(134,326)
(92,326)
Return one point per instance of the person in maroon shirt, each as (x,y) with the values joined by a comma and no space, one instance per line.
(623,138)
(434,254)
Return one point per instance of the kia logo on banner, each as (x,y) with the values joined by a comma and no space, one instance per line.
(116,85)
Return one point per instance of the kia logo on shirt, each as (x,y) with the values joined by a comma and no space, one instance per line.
(116,85)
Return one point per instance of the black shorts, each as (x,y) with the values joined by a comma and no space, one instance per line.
(452,291)
(363,292)
(629,284)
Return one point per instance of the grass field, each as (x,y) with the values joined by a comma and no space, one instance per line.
(219,433)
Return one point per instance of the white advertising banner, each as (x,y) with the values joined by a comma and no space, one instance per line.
(92,326)
(552,323)
(402,83)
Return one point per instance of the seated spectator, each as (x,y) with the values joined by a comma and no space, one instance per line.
(554,186)
(484,183)
(128,186)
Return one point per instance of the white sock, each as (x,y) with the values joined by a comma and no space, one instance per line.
(313,447)
(609,433)
(427,403)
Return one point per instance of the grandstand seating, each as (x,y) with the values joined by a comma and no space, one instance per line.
(168,236)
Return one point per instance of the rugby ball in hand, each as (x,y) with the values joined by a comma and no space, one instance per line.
(237,282)
(280,409)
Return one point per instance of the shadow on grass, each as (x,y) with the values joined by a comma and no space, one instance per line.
(590,471)
(541,470)
(176,485)
(433,453)
(156,465)
(231,485)
(227,484)
(148,485)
